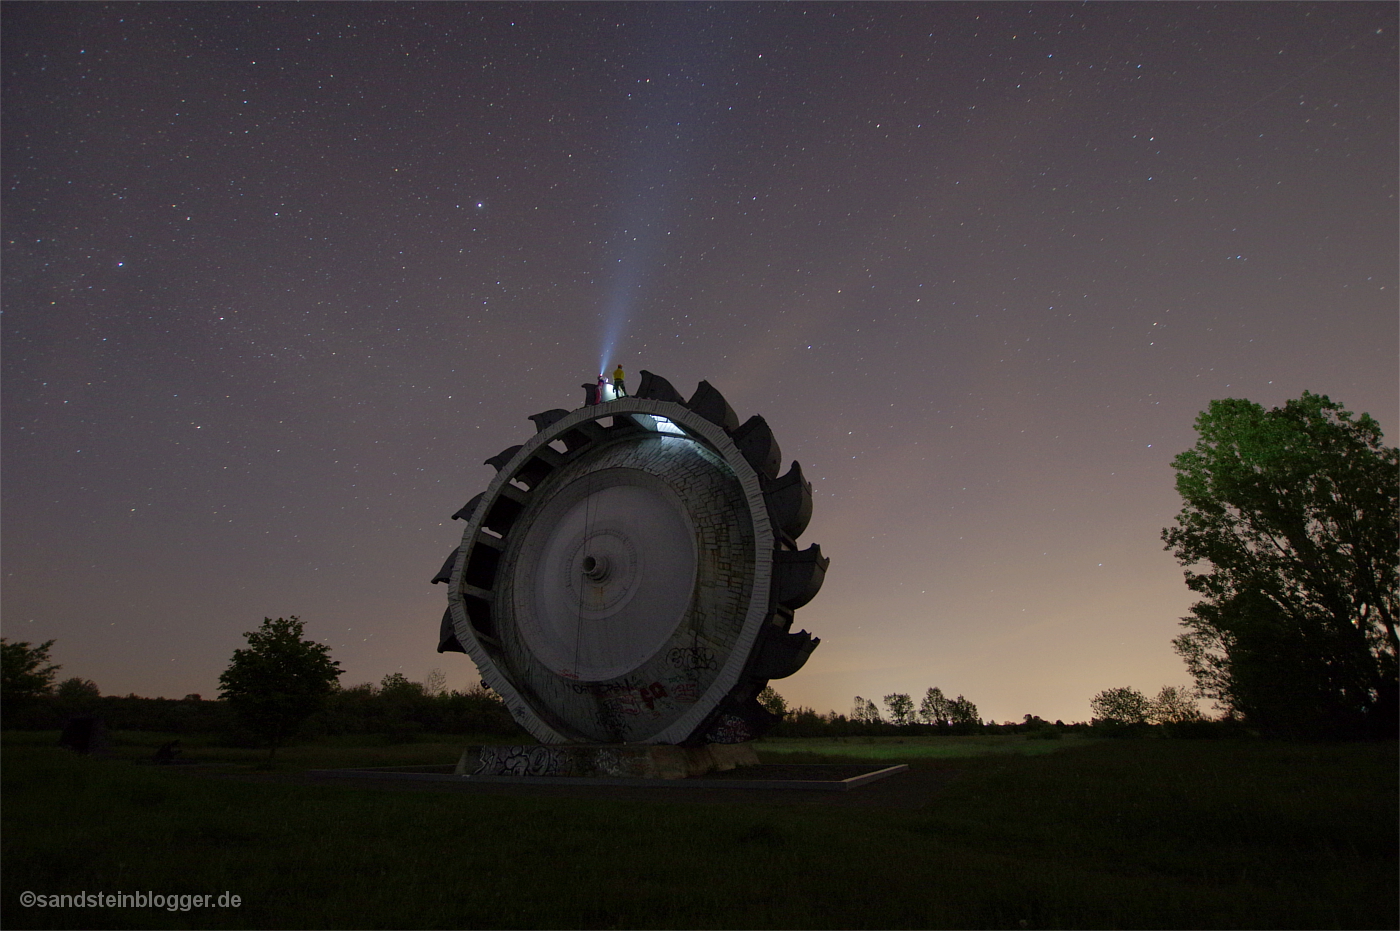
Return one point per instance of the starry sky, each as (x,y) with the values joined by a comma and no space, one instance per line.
(278,278)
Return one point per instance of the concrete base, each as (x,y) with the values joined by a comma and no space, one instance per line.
(636,761)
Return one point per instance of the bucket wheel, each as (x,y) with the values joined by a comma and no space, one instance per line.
(631,572)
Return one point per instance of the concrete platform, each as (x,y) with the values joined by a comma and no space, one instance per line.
(816,776)
(627,761)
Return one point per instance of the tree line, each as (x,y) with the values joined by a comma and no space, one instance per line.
(398,709)
(1115,712)
(936,714)
(1289,532)
(281,688)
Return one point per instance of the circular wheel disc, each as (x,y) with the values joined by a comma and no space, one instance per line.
(605,575)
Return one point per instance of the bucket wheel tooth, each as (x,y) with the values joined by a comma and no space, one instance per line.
(782,654)
(445,573)
(447,635)
(638,587)
(466,511)
(710,404)
(798,576)
(655,388)
(498,461)
(755,440)
(790,502)
(544,419)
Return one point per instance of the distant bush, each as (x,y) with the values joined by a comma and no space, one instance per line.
(400,710)
(398,713)
(190,715)
(807,722)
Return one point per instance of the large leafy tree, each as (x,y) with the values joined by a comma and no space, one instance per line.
(935,708)
(279,681)
(901,708)
(25,671)
(1120,706)
(963,712)
(1174,704)
(1289,533)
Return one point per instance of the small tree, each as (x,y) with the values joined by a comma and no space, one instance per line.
(1174,704)
(481,710)
(25,672)
(436,683)
(406,708)
(397,684)
(773,702)
(279,681)
(901,708)
(863,711)
(935,708)
(77,696)
(803,721)
(1119,706)
(78,690)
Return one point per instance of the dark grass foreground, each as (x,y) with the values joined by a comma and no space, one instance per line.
(1117,834)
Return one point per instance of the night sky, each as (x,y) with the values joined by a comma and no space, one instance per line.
(278,278)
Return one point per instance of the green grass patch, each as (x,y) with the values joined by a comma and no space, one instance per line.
(900,749)
(1119,833)
(339,752)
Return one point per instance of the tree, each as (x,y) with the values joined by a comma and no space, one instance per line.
(961,711)
(1174,704)
(25,671)
(397,684)
(803,721)
(772,701)
(901,708)
(436,683)
(279,681)
(406,709)
(77,696)
(863,711)
(1119,706)
(1293,512)
(935,708)
(78,689)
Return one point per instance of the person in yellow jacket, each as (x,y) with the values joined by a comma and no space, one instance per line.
(619,390)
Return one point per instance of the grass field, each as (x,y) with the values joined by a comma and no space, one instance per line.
(899,749)
(1111,833)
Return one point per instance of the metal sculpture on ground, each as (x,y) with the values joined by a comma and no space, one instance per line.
(630,574)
